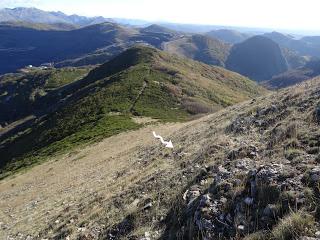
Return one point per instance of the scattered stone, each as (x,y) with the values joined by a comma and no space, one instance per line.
(190,195)
(248,201)
(241,124)
(244,164)
(243,152)
(147,236)
(135,203)
(81,229)
(315,177)
(315,174)
(317,113)
(241,227)
(269,211)
(147,206)
(203,182)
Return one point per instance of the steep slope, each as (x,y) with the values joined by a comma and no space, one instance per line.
(140,82)
(201,48)
(249,169)
(261,177)
(34,15)
(258,58)
(293,59)
(295,76)
(228,36)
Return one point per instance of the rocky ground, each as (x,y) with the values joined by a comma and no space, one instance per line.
(250,171)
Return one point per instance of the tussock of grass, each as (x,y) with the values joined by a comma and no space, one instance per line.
(292,153)
(257,236)
(293,226)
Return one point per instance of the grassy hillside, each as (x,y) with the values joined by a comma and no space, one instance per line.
(29,93)
(250,171)
(140,82)
(201,48)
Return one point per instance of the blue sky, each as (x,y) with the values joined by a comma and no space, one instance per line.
(277,14)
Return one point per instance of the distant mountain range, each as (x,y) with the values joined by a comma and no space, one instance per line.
(34,15)
(25,43)
(304,46)
(94,44)
(29,36)
(229,36)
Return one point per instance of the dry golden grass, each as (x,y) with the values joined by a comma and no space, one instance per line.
(31,201)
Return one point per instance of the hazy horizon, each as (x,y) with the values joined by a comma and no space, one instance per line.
(297,17)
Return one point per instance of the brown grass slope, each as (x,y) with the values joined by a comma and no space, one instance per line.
(250,170)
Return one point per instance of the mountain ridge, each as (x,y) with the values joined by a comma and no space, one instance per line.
(258,57)
(305,46)
(229,36)
(103,102)
(201,48)
(35,15)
